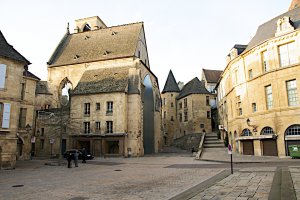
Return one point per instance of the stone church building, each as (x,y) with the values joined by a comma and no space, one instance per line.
(104,96)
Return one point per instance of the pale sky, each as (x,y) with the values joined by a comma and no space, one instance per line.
(182,35)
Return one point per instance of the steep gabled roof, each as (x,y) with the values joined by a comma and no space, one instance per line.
(105,80)
(212,76)
(28,74)
(268,29)
(8,51)
(171,85)
(195,86)
(102,44)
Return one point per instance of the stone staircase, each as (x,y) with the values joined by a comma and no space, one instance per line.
(211,141)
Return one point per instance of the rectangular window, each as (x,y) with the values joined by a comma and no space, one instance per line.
(265,61)
(109,127)
(87,108)
(2,75)
(239,106)
(269,97)
(292,93)
(164,101)
(208,114)
(185,102)
(22,91)
(180,105)
(250,74)
(172,104)
(42,132)
(97,106)
(254,107)
(22,118)
(172,119)
(207,100)
(288,54)
(180,117)
(185,116)
(98,127)
(5,114)
(201,125)
(1,113)
(165,114)
(87,127)
(109,107)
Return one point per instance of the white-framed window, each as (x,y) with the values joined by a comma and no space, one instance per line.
(288,54)
(109,107)
(87,108)
(269,96)
(109,126)
(87,127)
(292,93)
(2,76)
(265,61)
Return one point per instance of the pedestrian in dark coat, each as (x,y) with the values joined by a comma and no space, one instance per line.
(69,158)
(84,153)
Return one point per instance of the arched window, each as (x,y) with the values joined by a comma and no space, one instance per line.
(86,28)
(267,131)
(246,132)
(293,130)
(64,92)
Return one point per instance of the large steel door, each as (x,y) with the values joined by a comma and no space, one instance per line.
(248,148)
(269,147)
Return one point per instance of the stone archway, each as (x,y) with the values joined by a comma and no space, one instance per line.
(64,89)
(148,116)
(292,137)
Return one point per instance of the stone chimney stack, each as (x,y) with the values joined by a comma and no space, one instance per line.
(294,4)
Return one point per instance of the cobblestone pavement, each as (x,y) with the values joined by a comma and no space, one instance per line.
(152,177)
(134,178)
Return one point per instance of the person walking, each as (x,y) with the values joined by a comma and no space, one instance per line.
(84,153)
(76,158)
(69,158)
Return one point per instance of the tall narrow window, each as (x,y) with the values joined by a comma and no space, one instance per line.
(180,105)
(185,102)
(22,91)
(109,107)
(265,61)
(288,54)
(172,104)
(185,116)
(269,97)
(1,113)
(292,93)
(250,74)
(239,106)
(109,127)
(42,132)
(2,75)
(87,109)
(165,114)
(208,114)
(180,117)
(5,115)
(22,118)
(87,127)
(97,106)
(207,100)
(98,127)
(254,107)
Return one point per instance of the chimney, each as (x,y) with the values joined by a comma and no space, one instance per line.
(294,4)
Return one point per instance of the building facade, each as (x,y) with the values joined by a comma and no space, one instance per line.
(185,111)
(102,74)
(258,93)
(17,88)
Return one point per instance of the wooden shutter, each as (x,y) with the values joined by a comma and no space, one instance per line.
(6,115)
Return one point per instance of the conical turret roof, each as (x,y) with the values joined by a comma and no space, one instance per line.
(171,84)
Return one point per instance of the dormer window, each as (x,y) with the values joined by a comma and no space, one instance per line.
(106,53)
(114,33)
(86,37)
(284,26)
(86,27)
(76,57)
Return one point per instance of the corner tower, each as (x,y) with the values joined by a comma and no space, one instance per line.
(169,117)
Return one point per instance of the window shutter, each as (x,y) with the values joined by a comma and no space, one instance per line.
(6,115)
(2,75)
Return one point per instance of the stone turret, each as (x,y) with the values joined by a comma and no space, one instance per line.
(169,94)
(294,4)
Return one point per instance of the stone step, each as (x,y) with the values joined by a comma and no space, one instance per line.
(213,145)
(213,142)
(211,139)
